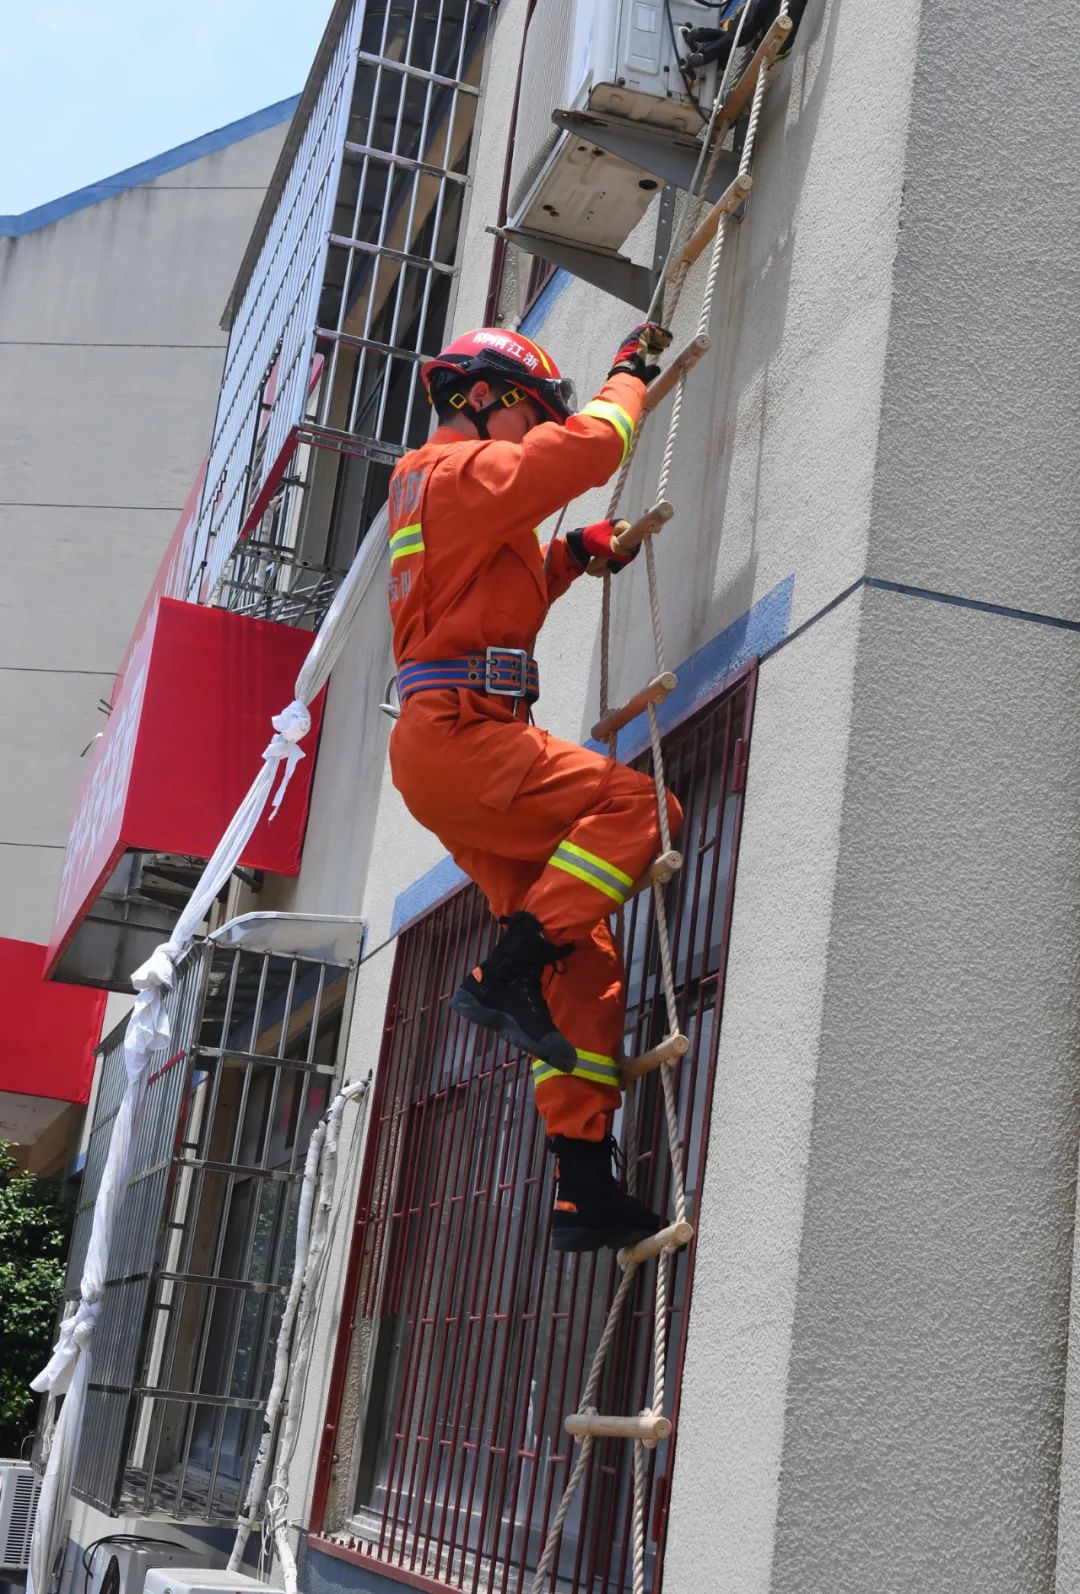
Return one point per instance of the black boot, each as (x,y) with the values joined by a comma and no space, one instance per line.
(591,1210)
(504,993)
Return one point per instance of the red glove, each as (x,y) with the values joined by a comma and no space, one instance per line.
(594,542)
(648,338)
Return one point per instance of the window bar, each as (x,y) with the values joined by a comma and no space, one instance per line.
(478,1053)
(295,1164)
(410,220)
(400,1181)
(489,1241)
(413,1199)
(259,1189)
(421,1298)
(434,1274)
(429,279)
(455,1288)
(211,1297)
(426,265)
(381,63)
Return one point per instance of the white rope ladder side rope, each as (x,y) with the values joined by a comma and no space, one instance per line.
(706,164)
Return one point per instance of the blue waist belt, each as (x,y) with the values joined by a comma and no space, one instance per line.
(502,672)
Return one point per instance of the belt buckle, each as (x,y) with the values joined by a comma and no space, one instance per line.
(503,658)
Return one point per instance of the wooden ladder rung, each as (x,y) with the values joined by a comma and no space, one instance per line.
(646,1425)
(763,57)
(674,1235)
(670,1049)
(659,871)
(629,534)
(685,360)
(645,526)
(660,687)
(736,194)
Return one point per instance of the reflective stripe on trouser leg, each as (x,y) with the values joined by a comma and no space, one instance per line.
(594,870)
(587,1002)
(592,1066)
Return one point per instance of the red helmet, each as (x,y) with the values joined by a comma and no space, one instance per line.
(512,358)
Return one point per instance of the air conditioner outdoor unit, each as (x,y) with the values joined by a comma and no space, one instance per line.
(205,1580)
(119,1568)
(19,1490)
(613,59)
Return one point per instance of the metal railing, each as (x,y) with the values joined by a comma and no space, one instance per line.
(203,1249)
(477,1337)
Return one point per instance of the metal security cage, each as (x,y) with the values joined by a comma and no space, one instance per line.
(202,1254)
(350,290)
(472,1341)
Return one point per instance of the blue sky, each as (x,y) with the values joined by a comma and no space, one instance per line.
(88,87)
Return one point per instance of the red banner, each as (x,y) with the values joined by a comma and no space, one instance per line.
(189,724)
(50,1030)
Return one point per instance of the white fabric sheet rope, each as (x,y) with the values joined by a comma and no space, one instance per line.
(544,1575)
(68,1370)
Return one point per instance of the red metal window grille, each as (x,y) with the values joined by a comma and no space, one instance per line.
(479,1339)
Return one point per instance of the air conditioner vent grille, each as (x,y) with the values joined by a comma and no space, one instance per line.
(19,1521)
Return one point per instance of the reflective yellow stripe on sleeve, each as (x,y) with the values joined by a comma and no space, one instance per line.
(410,539)
(604,410)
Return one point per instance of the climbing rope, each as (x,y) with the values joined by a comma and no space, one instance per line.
(715,134)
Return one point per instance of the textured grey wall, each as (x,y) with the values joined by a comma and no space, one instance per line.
(112,358)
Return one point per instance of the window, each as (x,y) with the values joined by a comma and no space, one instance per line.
(348,295)
(202,1255)
(472,1341)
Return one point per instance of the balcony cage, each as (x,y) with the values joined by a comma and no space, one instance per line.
(321,392)
(202,1255)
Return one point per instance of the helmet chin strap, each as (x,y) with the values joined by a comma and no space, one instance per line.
(479,419)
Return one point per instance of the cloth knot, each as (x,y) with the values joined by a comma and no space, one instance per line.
(75,1334)
(291,725)
(158,971)
(148,1028)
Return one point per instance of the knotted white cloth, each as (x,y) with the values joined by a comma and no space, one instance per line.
(291,725)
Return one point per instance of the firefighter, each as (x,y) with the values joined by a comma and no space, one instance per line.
(553,834)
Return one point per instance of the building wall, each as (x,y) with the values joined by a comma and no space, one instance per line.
(109,309)
(874,1394)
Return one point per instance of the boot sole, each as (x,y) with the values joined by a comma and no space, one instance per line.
(583,1239)
(469,1007)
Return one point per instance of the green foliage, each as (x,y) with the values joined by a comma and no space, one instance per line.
(35,1222)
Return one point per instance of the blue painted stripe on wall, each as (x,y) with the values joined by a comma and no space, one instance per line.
(549,293)
(753,633)
(444,877)
(329,1574)
(168,161)
(763,626)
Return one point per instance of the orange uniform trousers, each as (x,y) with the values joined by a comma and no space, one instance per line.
(564,843)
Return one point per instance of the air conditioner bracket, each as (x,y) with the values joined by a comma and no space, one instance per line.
(667,155)
(611,273)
